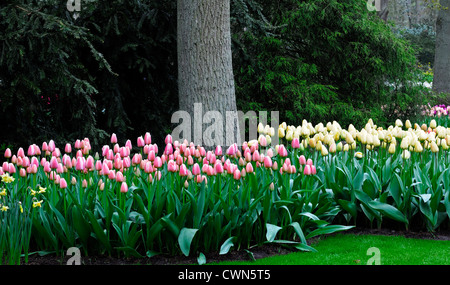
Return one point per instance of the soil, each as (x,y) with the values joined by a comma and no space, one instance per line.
(259,252)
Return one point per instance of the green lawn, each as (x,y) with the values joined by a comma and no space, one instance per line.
(346,249)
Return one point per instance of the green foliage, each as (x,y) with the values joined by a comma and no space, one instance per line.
(110,70)
(325,61)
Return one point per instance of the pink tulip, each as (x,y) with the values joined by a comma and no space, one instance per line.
(190,160)
(119,176)
(112,174)
(118,163)
(128,144)
(33,169)
(269,153)
(60,168)
(158,162)
(51,146)
(5,166)
(124,187)
(140,141)
(34,161)
(80,165)
(292,169)
(31,151)
(255,156)
(237,174)
(26,161)
(113,138)
(295,143)
(47,167)
(183,170)
(232,150)
(262,141)
(20,152)
(37,149)
(147,138)
(110,154)
(126,162)
(313,170)
(307,170)
(196,169)
(302,160)
(137,158)
(53,163)
(282,151)
(23,172)
(62,183)
(105,168)
(168,139)
(218,167)
(168,149)
(90,163)
(68,148)
(44,146)
(77,144)
(171,166)
(148,167)
(249,168)
(267,162)
(309,161)
(218,150)
(8,153)
(98,165)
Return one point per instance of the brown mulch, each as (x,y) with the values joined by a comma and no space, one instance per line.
(256,253)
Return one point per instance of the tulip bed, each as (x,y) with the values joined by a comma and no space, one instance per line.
(134,202)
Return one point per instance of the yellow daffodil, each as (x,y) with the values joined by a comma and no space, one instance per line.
(20,205)
(42,190)
(3,192)
(37,203)
(33,193)
(4,208)
(7,179)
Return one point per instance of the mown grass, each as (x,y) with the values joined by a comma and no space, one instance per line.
(345,249)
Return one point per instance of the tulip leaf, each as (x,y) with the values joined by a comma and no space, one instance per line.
(328,230)
(185,239)
(201,259)
(225,248)
(348,206)
(389,211)
(395,189)
(272,231)
(298,231)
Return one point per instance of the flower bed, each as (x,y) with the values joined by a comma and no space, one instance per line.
(185,200)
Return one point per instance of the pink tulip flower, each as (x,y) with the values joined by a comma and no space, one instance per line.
(62,183)
(124,187)
(8,153)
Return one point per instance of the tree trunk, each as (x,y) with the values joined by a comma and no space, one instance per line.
(441,79)
(205,72)
(384,11)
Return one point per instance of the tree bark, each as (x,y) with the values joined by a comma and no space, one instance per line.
(205,71)
(441,78)
(384,11)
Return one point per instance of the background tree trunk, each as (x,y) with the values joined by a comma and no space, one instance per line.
(441,80)
(205,72)
(384,11)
